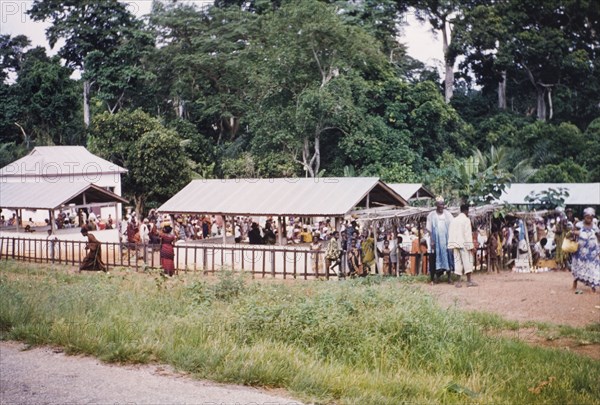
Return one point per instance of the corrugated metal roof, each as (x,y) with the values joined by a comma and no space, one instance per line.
(45,195)
(408,191)
(297,196)
(579,193)
(53,161)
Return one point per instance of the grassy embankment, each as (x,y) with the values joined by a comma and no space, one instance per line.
(358,341)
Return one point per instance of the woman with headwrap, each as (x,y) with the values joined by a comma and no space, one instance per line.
(93,258)
(586,261)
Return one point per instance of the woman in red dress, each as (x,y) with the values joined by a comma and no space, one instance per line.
(167,252)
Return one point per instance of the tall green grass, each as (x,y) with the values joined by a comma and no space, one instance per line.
(358,341)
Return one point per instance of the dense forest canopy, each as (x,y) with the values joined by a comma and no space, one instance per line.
(278,88)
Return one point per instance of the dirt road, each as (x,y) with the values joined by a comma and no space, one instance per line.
(542,297)
(46,376)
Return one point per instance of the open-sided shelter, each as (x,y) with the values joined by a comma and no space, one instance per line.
(58,165)
(302,197)
(298,197)
(51,197)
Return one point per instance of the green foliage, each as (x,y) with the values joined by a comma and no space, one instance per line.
(591,152)
(152,153)
(10,151)
(544,49)
(50,99)
(276,88)
(120,72)
(480,178)
(86,26)
(229,286)
(11,53)
(567,171)
(549,199)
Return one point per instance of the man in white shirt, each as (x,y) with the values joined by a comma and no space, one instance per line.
(460,240)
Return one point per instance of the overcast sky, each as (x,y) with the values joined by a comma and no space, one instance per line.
(421,42)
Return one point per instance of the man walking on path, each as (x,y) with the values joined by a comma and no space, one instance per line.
(460,240)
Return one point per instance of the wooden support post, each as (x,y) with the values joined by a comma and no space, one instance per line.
(280,231)
(224,218)
(52,224)
(374,225)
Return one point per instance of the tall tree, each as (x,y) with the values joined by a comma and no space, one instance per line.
(12,50)
(302,65)
(153,154)
(547,47)
(441,14)
(49,100)
(199,69)
(86,26)
(11,54)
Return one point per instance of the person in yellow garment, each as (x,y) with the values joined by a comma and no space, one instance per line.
(368,254)
(460,240)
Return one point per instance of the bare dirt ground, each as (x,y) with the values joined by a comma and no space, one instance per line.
(541,297)
(538,297)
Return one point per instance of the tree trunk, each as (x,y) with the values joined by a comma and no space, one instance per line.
(551,112)
(541,103)
(86,102)
(449,64)
(26,138)
(316,161)
(541,95)
(139,205)
(305,162)
(502,92)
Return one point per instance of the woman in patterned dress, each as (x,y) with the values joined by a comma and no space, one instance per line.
(586,261)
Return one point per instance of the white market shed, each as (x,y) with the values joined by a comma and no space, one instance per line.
(59,165)
(49,197)
(304,197)
(579,193)
(411,191)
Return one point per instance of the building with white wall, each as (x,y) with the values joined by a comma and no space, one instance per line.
(64,164)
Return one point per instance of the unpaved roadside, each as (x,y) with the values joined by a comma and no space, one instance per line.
(539,297)
(46,376)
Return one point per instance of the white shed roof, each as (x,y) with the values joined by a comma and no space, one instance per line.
(579,193)
(54,161)
(408,191)
(46,195)
(287,196)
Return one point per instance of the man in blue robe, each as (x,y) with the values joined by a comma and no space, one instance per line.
(438,223)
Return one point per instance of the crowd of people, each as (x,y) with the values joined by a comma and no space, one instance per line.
(427,247)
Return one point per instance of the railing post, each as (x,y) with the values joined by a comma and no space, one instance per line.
(273,272)
(295,262)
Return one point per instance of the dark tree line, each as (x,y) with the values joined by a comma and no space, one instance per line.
(312,88)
